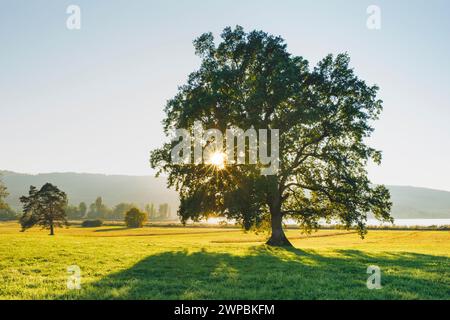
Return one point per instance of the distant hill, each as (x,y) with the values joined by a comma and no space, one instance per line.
(414,202)
(86,187)
(409,202)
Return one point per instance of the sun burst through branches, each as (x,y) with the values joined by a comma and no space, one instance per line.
(217,159)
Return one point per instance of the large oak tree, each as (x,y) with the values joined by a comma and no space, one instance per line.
(324,115)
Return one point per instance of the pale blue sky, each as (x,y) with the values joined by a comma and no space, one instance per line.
(91,100)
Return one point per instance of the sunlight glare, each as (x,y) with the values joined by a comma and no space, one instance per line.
(217,159)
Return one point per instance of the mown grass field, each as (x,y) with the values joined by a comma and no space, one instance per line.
(214,263)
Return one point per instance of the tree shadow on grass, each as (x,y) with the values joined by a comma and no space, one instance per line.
(273,273)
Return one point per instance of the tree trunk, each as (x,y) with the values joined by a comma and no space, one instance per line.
(277,238)
(51,230)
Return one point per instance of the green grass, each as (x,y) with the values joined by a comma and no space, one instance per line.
(214,263)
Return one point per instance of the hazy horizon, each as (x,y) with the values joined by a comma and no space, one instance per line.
(164,176)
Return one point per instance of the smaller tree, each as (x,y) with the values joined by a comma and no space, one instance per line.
(6,213)
(82,209)
(119,211)
(45,207)
(76,212)
(134,218)
(3,194)
(150,210)
(72,212)
(98,210)
(163,211)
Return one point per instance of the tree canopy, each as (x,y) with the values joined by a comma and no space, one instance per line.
(135,218)
(98,210)
(324,115)
(45,207)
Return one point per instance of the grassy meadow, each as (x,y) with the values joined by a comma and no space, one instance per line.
(219,263)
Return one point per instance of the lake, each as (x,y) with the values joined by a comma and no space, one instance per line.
(370,222)
(402,222)
(412,222)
